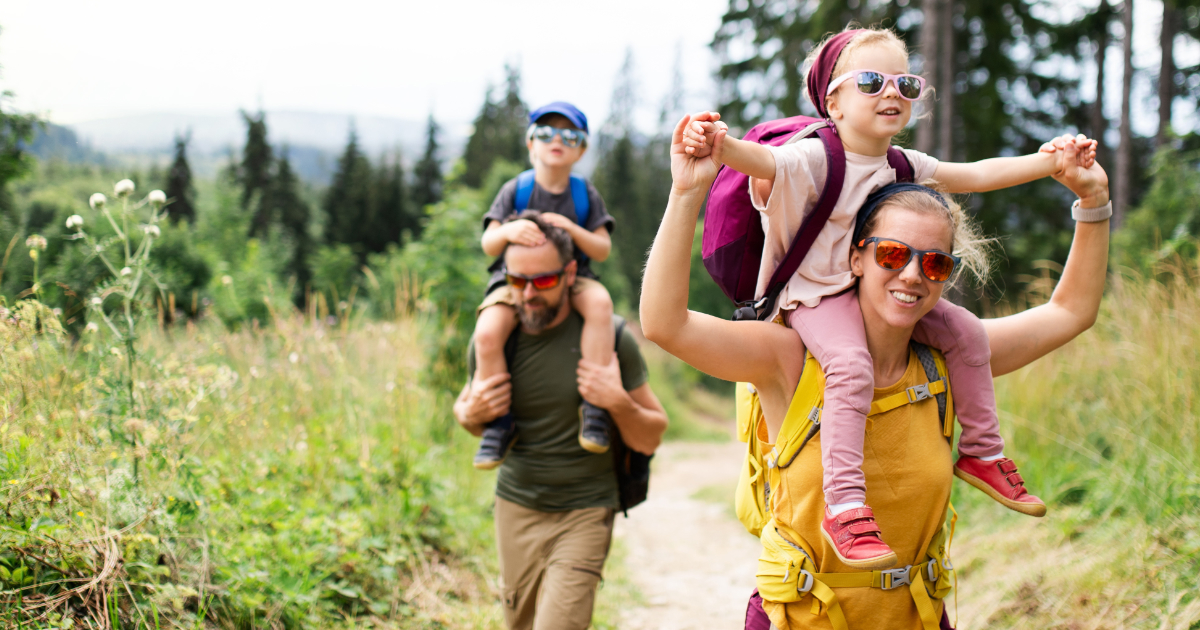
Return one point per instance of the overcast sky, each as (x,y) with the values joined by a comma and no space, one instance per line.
(81,60)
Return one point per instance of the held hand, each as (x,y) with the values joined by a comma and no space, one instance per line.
(524,232)
(485,400)
(1085,147)
(700,134)
(1090,184)
(558,221)
(690,173)
(601,384)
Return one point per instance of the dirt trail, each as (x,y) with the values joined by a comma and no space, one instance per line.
(691,560)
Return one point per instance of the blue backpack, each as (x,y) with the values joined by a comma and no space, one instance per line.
(579,194)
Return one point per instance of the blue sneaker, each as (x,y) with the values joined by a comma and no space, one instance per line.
(499,435)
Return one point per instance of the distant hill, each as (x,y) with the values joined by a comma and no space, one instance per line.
(62,143)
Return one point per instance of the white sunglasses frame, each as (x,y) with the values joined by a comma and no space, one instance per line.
(893,78)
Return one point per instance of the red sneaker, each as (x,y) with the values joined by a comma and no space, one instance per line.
(856,539)
(1000,480)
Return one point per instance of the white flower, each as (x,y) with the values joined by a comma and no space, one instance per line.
(91,327)
(57,312)
(157,197)
(97,201)
(36,242)
(226,280)
(75,220)
(123,187)
(152,230)
(293,358)
(97,301)
(125,271)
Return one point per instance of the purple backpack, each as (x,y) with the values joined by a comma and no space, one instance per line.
(733,234)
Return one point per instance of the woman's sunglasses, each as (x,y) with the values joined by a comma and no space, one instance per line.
(894,256)
(541,282)
(871,83)
(570,137)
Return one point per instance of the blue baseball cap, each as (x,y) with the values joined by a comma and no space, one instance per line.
(563,108)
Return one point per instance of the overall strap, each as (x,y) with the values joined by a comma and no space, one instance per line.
(524,191)
(579,194)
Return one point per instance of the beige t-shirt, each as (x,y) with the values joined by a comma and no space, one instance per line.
(799,179)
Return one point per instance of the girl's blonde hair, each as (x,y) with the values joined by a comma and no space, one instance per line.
(873,36)
(966,241)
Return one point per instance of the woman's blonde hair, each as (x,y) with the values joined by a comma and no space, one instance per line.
(966,238)
(873,36)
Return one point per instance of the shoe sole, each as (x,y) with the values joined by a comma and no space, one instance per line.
(586,444)
(1029,509)
(494,463)
(882,562)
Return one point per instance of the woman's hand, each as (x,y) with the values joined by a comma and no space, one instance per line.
(689,173)
(1089,184)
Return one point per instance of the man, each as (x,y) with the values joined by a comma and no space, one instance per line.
(554,500)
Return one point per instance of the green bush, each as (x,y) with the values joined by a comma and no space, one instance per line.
(1167,223)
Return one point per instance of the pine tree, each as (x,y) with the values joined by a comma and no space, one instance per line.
(1123,196)
(348,201)
(254,172)
(283,201)
(391,214)
(499,131)
(179,184)
(16,132)
(427,187)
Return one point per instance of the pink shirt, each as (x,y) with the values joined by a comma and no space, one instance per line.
(799,178)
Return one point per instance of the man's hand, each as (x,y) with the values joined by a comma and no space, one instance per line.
(483,401)
(524,232)
(601,384)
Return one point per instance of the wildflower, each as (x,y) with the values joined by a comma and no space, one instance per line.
(293,358)
(125,271)
(57,312)
(36,241)
(123,188)
(76,221)
(97,301)
(97,201)
(343,305)
(116,352)
(226,280)
(79,514)
(91,327)
(157,197)
(99,248)
(152,230)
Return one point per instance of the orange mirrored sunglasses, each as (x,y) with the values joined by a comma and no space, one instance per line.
(894,256)
(541,282)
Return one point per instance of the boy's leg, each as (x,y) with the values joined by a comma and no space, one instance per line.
(591,300)
(495,320)
(964,342)
(833,331)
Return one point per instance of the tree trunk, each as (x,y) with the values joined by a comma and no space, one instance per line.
(926,131)
(946,72)
(1166,74)
(1099,124)
(1125,151)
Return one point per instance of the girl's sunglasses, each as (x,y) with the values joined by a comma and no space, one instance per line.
(871,83)
(894,256)
(541,282)
(570,137)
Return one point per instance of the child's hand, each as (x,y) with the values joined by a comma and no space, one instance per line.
(557,220)
(701,132)
(1085,150)
(525,232)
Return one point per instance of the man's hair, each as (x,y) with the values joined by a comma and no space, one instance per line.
(556,235)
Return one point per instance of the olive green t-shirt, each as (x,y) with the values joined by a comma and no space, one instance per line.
(547,469)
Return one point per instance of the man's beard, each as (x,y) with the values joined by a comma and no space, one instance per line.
(537,320)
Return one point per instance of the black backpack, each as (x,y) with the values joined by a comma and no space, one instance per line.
(631,467)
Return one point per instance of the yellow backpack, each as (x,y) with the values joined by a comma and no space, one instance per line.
(787,572)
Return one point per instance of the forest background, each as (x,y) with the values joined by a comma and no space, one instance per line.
(356,292)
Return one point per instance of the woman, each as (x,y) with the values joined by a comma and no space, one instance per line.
(912,490)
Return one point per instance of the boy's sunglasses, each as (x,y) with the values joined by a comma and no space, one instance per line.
(894,256)
(871,83)
(570,137)
(541,282)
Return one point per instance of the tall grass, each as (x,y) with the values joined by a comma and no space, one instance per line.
(296,476)
(1107,431)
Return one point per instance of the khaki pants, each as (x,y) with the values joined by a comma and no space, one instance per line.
(550,564)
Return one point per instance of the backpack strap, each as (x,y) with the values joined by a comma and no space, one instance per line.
(524,191)
(899,162)
(835,176)
(579,195)
(934,373)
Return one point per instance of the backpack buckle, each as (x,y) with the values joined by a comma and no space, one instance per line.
(918,392)
(806,582)
(897,578)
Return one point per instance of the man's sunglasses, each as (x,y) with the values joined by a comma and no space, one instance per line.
(570,137)
(541,282)
(894,256)
(871,83)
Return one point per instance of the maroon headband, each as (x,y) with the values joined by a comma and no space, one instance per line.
(821,72)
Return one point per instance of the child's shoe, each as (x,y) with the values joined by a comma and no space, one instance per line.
(1000,480)
(498,437)
(856,539)
(593,428)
